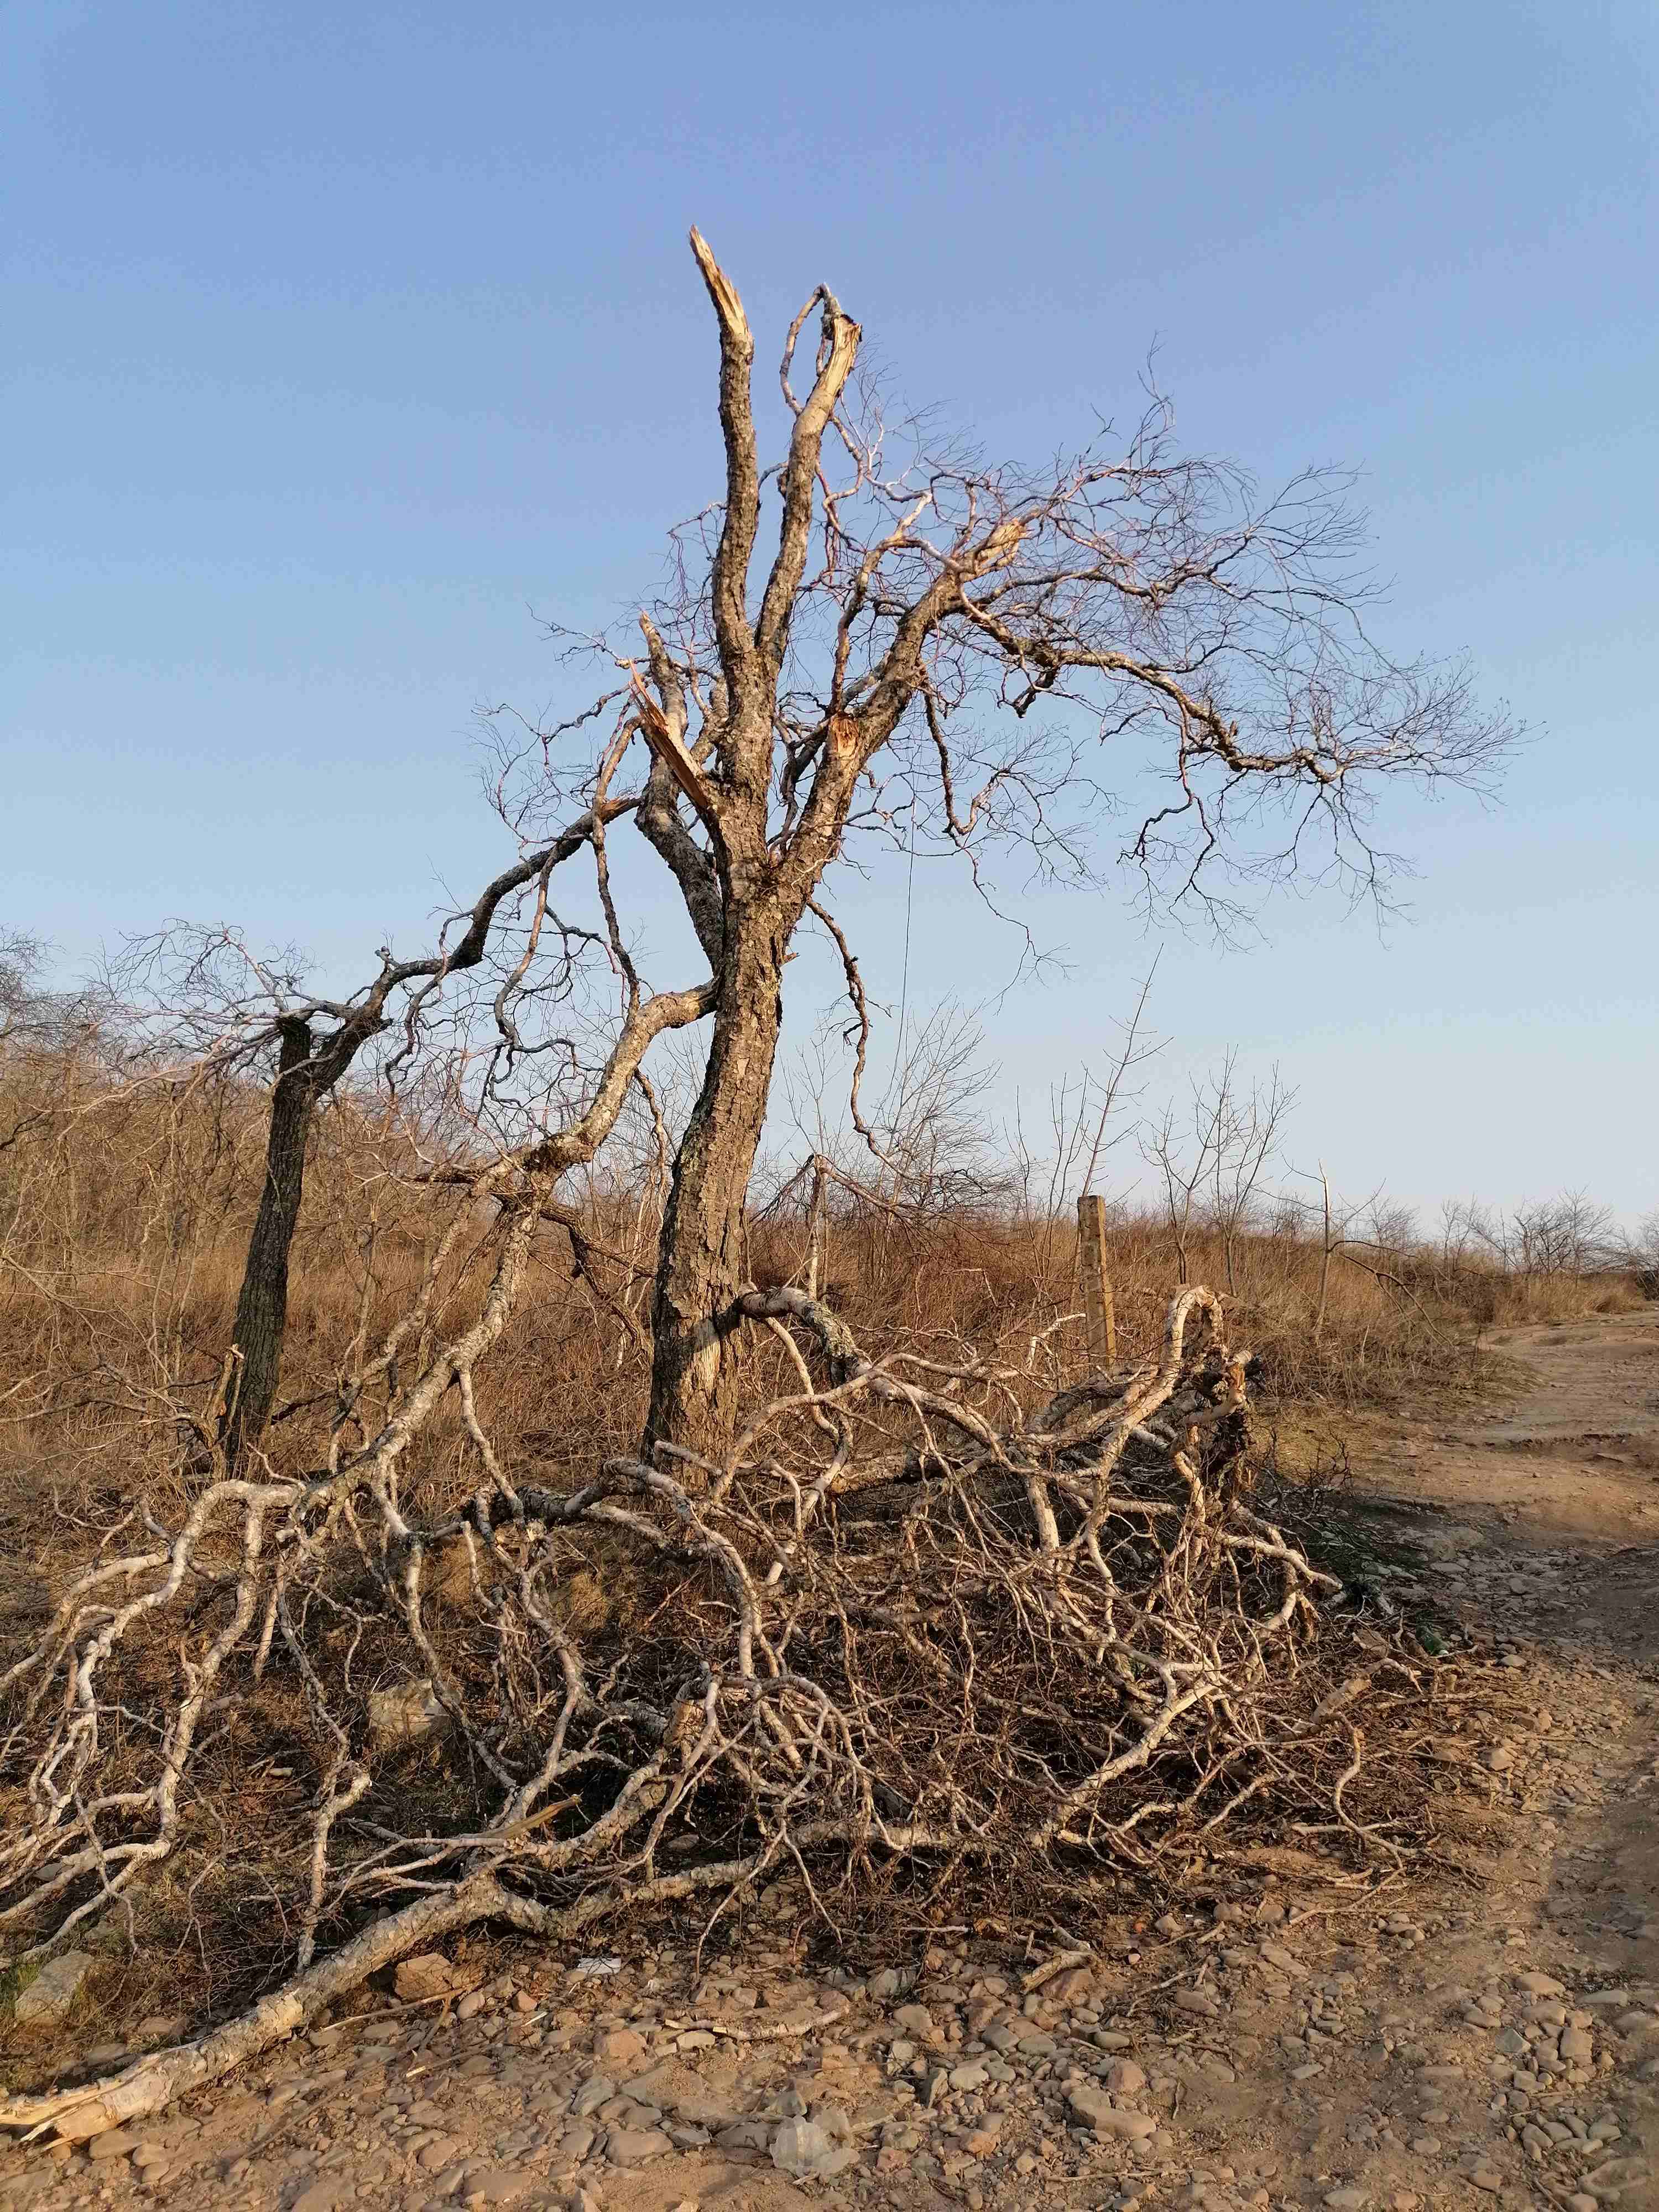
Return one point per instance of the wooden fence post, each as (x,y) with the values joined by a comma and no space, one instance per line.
(1097,1287)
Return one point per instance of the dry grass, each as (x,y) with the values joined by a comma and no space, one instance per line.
(125,1212)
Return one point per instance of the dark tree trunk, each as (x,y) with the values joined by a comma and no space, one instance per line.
(262,1308)
(701,1266)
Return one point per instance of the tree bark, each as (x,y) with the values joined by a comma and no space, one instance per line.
(701,1264)
(262,1306)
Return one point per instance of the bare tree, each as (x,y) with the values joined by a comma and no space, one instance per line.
(904,615)
(914,1605)
(1250,1125)
(938,637)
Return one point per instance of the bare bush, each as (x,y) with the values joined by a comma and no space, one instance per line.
(906,1618)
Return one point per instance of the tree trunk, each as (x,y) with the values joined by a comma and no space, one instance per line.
(701,1262)
(262,1307)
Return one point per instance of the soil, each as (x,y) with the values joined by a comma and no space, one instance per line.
(1482,2029)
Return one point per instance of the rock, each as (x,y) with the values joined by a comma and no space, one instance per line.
(115,2142)
(1199,2002)
(585,2201)
(443,2151)
(633,2145)
(805,2151)
(1498,1758)
(430,1975)
(1346,2200)
(596,2090)
(321,2197)
(1275,1954)
(1541,1985)
(1487,2178)
(969,2077)
(1576,2046)
(503,2184)
(403,1712)
(54,1991)
(472,2005)
(1107,2118)
(916,2020)
(744,2134)
(619,2046)
(1125,2078)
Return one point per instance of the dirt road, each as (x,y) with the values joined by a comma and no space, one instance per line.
(1485,2031)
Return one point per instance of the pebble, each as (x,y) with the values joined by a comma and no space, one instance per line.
(633,2145)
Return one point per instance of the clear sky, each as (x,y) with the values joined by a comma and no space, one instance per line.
(339,339)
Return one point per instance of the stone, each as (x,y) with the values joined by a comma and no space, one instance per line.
(1576,2046)
(598,2089)
(429,1975)
(969,2077)
(633,2145)
(1346,2199)
(806,2152)
(321,2197)
(502,2184)
(619,2046)
(1125,2079)
(48,1997)
(442,2151)
(1541,1985)
(1199,2002)
(115,2142)
(1107,2118)
(745,2135)
(472,2005)
(1275,1954)
(915,2019)
(1487,2177)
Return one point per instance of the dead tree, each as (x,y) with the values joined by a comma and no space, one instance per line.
(202,997)
(910,1607)
(933,635)
(906,614)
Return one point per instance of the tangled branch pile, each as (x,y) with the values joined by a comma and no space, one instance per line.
(908,1622)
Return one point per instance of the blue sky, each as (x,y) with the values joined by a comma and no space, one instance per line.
(340,340)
